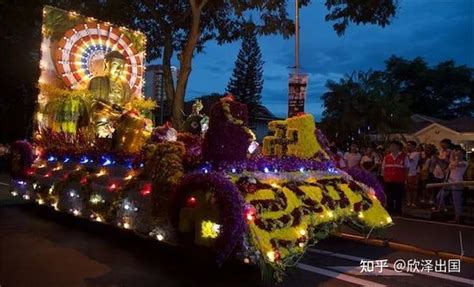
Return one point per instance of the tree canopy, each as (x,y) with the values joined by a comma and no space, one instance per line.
(383,101)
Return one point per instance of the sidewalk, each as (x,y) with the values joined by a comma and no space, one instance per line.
(425,234)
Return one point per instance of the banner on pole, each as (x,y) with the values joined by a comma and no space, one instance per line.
(297,85)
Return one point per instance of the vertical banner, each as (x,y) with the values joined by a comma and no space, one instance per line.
(297,84)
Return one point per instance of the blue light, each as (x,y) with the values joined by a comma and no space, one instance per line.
(301,169)
(205,170)
(84,160)
(67,159)
(51,158)
(141,165)
(234,170)
(107,161)
(275,170)
(266,170)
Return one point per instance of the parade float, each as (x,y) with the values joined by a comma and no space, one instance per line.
(96,154)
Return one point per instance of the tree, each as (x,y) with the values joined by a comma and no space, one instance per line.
(184,26)
(362,103)
(247,78)
(444,90)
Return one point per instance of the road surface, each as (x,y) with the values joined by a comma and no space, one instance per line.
(39,247)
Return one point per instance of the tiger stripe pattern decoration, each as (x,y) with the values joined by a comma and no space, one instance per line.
(289,213)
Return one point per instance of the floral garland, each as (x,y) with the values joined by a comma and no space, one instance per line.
(230,204)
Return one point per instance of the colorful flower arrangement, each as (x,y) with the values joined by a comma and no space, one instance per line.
(227,138)
(292,137)
(230,205)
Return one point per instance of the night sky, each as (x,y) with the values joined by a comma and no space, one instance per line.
(436,30)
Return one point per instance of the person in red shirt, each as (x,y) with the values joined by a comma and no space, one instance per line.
(395,170)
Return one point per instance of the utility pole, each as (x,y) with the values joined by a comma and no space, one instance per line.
(297,37)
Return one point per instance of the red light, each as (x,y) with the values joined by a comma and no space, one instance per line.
(83,181)
(48,174)
(30,171)
(250,212)
(191,202)
(112,187)
(146,189)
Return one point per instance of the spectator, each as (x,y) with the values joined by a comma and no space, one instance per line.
(439,168)
(412,179)
(425,171)
(457,167)
(337,157)
(370,161)
(394,169)
(352,157)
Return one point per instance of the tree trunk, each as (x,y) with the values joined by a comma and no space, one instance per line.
(186,63)
(168,80)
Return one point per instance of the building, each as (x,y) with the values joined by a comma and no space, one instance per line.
(154,89)
(258,122)
(432,130)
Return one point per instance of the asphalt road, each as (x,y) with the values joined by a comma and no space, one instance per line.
(39,247)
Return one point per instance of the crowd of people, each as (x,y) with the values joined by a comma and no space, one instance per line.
(407,170)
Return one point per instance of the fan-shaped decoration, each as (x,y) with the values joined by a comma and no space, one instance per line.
(81,52)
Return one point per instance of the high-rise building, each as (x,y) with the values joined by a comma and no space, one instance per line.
(154,89)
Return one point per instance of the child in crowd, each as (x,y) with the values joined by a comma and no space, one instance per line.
(412,179)
(394,169)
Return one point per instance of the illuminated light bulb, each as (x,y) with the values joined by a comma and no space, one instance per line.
(301,169)
(389,219)
(40,201)
(191,202)
(330,214)
(275,170)
(102,172)
(146,189)
(360,215)
(271,256)
(303,232)
(58,167)
(76,212)
(126,225)
(26,197)
(160,237)
(127,207)
(301,244)
(246,260)
(98,219)
(55,206)
(72,193)
(14,193)
(266,170)
(83,181)
(128,177)
(274,185)
(205,170)
(112,187)
(51,189)
(20,182)
(35,185)
(95,198)
(234,170)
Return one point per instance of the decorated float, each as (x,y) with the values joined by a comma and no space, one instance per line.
(96,154)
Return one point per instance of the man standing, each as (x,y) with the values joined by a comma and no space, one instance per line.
(412,180)
(394,169)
